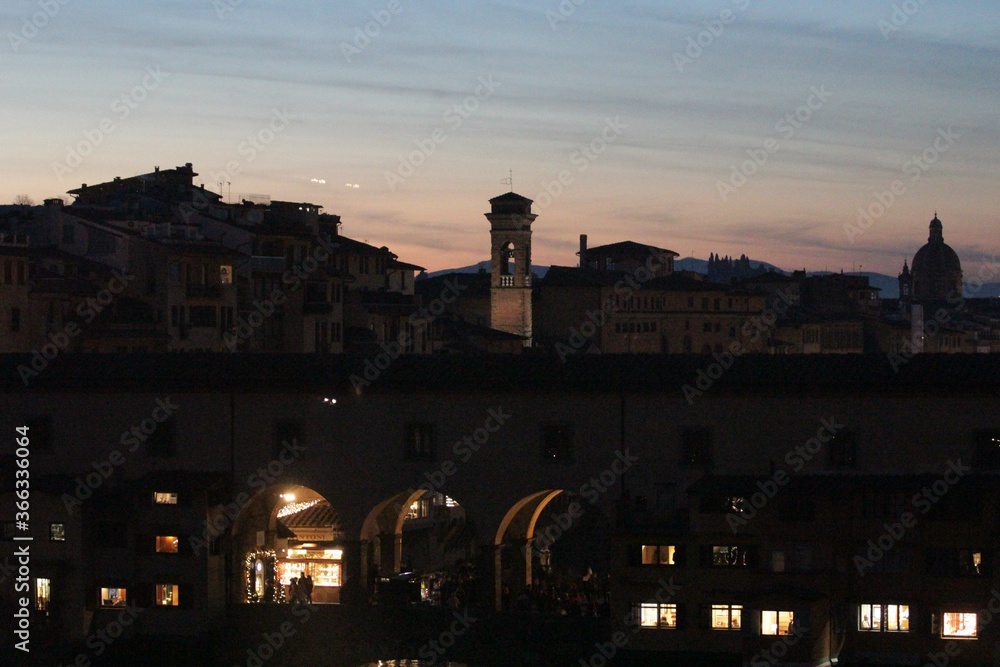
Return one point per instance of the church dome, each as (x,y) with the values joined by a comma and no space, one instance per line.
(936,269)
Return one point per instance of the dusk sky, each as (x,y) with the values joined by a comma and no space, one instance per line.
(645,109)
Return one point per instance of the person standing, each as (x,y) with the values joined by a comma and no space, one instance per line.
(293,591)
(307,588)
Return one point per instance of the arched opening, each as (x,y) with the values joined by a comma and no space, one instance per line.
(418,544)
(287,547)
(507,259)
(553,549)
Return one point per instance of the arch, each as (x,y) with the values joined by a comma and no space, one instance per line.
(287,532)
(545,496)
(548,536)
(507,255)
(423,531)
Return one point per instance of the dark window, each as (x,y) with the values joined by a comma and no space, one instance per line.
(202,316)
(707,327)
(883,505)
(842,451)
(955,562)
(108,535)
(287,432)
(987,449)
(696,448)
(797,558)
(162,441)
(557,442)
(68,234)
(894,561)
(15,319)
(797,509)
(419,444)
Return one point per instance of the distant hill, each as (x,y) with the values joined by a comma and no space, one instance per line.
(701,265)
(484,266)
(889,285)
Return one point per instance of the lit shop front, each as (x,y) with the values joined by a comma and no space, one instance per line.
(322,564)
(308,546)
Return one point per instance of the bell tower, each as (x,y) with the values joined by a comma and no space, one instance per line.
(510,264)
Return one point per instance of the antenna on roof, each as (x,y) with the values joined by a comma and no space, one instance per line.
(509,181)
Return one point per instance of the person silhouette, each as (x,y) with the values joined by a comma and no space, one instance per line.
(306,585)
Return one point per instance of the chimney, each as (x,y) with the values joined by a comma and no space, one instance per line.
(583,251)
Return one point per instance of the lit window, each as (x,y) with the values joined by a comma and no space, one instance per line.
(166,544)
(776,622)
(727,616)
(884,618)
(164,498)
(113,597)
(653,615)
(43,593)
(57,532)
(654,554)
(959,624)
(733,556)
(167,595)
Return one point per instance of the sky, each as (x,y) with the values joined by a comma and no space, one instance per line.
(727,126)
